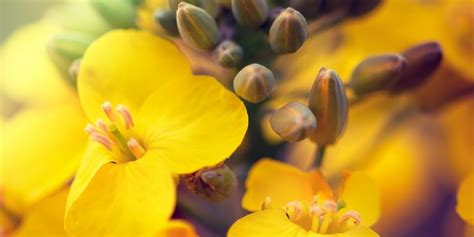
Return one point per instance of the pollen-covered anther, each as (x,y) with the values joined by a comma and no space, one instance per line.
(102,139)
(102,125)
(126,116)
(348,215)
(137,150)
(109,111)
(294,210)
(90,129)
(330,205)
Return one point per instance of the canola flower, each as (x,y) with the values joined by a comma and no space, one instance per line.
(297,203)
(151,121)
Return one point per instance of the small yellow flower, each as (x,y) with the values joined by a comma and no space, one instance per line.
(151,118)
(297,203)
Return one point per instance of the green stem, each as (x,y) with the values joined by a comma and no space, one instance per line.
(320,151)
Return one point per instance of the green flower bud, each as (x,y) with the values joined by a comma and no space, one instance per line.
(167,20)
(328,102)
(293,122)
(196,27)
(254,83)
(210,6)
(63,48)
(212,183)
(120,13)
(228,54)
(422,61)
(250,12)
(377,73)
(288,32)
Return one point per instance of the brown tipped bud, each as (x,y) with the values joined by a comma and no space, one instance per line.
(362,7)
(228,54)
(167,20)
(250,12)
(328,102)
(293,122)
(196,27)
(309,8)
(376,73)
(254,83)
(422,61)
(288,32)
(210,6)
(212,183)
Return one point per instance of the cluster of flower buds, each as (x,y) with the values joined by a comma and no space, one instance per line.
(328,102)
(212,183)
(248,34)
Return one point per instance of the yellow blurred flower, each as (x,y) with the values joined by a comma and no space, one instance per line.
(146,17)
(156,119)
(297,203)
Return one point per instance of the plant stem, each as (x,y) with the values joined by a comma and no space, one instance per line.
(320,151)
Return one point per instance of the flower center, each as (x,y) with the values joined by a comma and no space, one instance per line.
(116,134)
(321,216)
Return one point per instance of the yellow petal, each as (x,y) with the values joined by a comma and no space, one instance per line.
(281,182)
(133,198)
(27,74)
(41,151)
(192,124)
(361,194)
(46,218)
(271,222)
(465,206)
(360,231)
(177,228)
(125,67)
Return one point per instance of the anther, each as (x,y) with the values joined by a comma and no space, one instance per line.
(137,150)
(267,203)
(330,205)
(351,215)
(102,140)
(126,115)
(90,129)
(102,125)
(109,111)
(294,210)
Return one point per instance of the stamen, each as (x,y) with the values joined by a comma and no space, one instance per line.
(316,210)
(351,214)
(109,111)
(315,223)
(102,140)
(90,129)
(126,115)
(137,150)
(330,205)
(267,203)
(294,210)
(325,224)
(102,125)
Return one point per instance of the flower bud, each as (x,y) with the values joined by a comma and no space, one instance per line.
(63,48)
(288,32)
(120,13)
(228,54)
(254,83)
(196,27)
(293,122)
(328,102)
(210,6)
(212,183)
(167,20)
(250,12)
(377,73)
(422,61)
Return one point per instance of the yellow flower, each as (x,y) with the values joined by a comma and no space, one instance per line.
(153,118)
(145,14)
(465,205)
(297,203)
